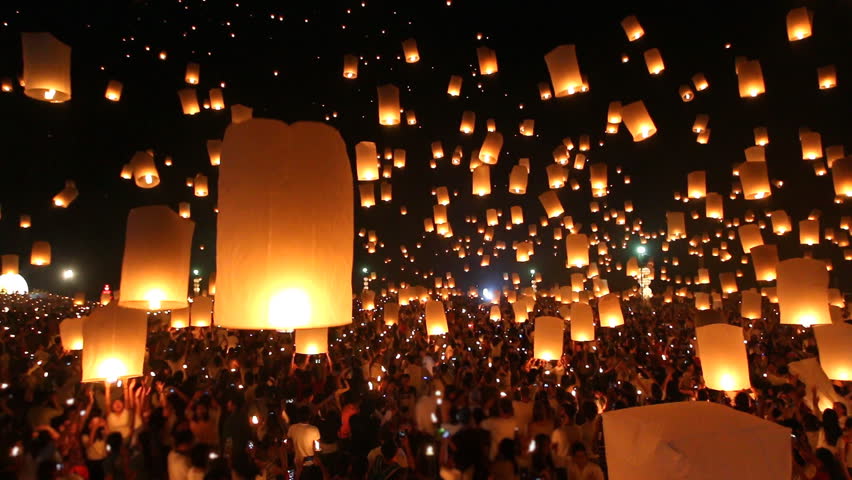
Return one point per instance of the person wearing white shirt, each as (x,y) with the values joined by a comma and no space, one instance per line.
(581,468)
(304,436)
(178,459)
(503,427)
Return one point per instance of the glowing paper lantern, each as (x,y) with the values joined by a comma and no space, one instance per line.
(193,73)
(200,187)
(409,49)
(841,175)
(67,195)
(798,24)
(467,122)
(388,105)
(437,149)
(751,307)
(811,145)
(702,301)
(632,28)
(728,282)
(761,136)
(809,232)
(284,268)
(765,261)
(487,60)
(114,340)
(47,67)
(179,318)
(311,341)
(10,264)
(638,121)
(367,193)
(367,165)
(598,176)
(654,61)
(113,91)
(724,364)
(549,333)
(686,93)
(71,333)
(697,184)
(144,171)
(214,151)
(750,236)
(350,66)
(780,222)
(564,70)
(482,180)
(391,313)
(700,81)
(609,310)
(803,292)
(577,250)
(518,180)
(184,210)
(755,180)
(490,149)
(217,99)
(714,206)
(454,88)
(582,322)
(155,268)
(676,225)
(436,318)
(550,201)
(834,343)
(750,79)
(40,254)
(188,101)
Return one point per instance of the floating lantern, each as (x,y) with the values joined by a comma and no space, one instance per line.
(113,91)
(750,79)
(557,175)
(549,333)
(809,232)
(728,282)
(834,343)
(391,313)
(193,73)
(638,121)
(184,210)
(40,254)
(311,341)
(217,99)
(550,201)
(697,184)
(518,180)
(564,70)
(114,340)
(811,145)
(755,180)
(582,322)
(765,261)
(71,333)
(803,292)
(436,318)
(751,307)
(179,318)
(780,222)
(367,166)
(715,206)
(388,105)
(487,60)
(798,24)
(214,152)
(544,91)
(841,174)
(437,149)
(200,185)
(577,250)
(761,136)
(47,67)
(676,225)
(189,101)
(654,61)
(482,180)
(409,49)
(700,81)
(632,28)
(467,122)
(144,170)
(750,236)
(350,66)
(826,77)
(724,364)
(686,93)
(702,301)
(490,149)
(454,88)
(386,191)
(67,195)
(201,311)
(609,310)
(527,127)
(368,194)
(598,176)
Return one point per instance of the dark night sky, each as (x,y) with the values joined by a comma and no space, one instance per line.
(89,138)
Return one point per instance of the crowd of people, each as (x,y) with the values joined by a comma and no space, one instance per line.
(385,402)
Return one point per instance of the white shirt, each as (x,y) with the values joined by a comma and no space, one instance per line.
(423,411)
(590,472)
(120,422)
(179,466)
(303,436)
(500,428)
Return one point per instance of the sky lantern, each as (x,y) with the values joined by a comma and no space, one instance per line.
(834,343)
(284,268)
(494,313)
(582,322)
(155,268)
(487,60)
(399,158)
(756,153)
(632,28)
(809,232)
(409,49)
(368,300)
(802,288)
(437,149)
(517,214)
(544,91)
(598,177)
(144,171)
(391,313)
(184,210)
(750,79)
(189,101)
(761,136)
(113,91)
(47,67)
(67,195)
(436,318)
(520,310)
(654,61)
(728,282)
(193,73)
(638,121)
(714,205)
(811,145)
(527,127)
(25,221)
(557,175)
(798,24)
(312,341)
(439,213)
(350,66)
(114,340)
(697,184)
(751,306)
(366,163)
(826,77)
(367,193)
(780,222)
(442,196)
(609,310)
(765,261)
(834,153)
(576,250)
(491,218)
(482,180)
(388,105)
(676,225)
(179,318)
(518,180)
(490,150)
(550,201)
(564,70)
(750,236)
(40,253)
(217,99)
(841,175)
(724,364)
(214,151)
(71,333)
(10,264)
(700,81)
(201,311)
(200,186)
(613,112)
(755,180)
(386,191)
(468,122)
(126,171)
(686,93)
(549,334)
(454,87)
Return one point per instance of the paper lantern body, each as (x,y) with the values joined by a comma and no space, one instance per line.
(193,73)
(201,311)
(184,210)
(518,180)
(285,225)
(454,87)
(487,60)
(582,322)
(217,99)
(755,180)
(577,250)
(798,24)
(482,180)
(391,313)
(609,311)
(750,79)
(715,206)
(765,261)
(388,105)
(809,232)
(552,206)
(214,152)
(751,306)
(549,333)
(188,101)
(632,28)
(835,344)
(409,49)
(40,254)
(841,175)
(47,67)
(144,171)
(350,66)
(638,121)
(780,222)
(564,70)
(436,318)
(723,357)
(71,333)
(155,268)
(179,318)
(312,341)
(114,340)
(366,161)
(200,186)
(654,61)
(750,237)
(803,292)
(113,91)
(697,184)
(676,225)
(490,150)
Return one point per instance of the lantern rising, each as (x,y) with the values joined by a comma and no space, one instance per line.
(803,292)
(114,340)
(47,67)
(312,341)
(549,332)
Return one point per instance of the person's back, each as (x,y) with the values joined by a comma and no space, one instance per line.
(383,467)
(501,428)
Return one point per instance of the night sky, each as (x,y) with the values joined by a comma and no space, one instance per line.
(284,59)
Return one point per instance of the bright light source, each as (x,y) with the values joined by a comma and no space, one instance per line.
(486,294)
(195,272)
(640,250)
(67,274)
(364,269)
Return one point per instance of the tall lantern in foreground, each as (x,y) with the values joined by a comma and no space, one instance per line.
(144,171)
(201,311)
(284,268)
(798,24)
(755,180)
(114,340)
(803,292)
(582,322)
(155,268)
(487,60)
(47,67)
(67,195)
(436,319)
(834,343)
(312,341)
(564,70)
(723,357)
(750,79)
(609,310)
(71,333)
(388,105)
(549,333)
(40,254)
(638,121)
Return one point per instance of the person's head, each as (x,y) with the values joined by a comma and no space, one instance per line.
(578,454)
(826,459)
(506,449)
(117,406)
